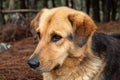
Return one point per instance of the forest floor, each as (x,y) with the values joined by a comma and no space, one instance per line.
(13,62)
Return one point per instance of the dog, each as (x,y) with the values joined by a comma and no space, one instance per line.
(70,48)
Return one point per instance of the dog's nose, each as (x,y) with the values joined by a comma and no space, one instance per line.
(33,63)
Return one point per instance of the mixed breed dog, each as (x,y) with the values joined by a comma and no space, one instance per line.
(70,48)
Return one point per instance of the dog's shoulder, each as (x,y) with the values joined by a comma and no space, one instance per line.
(109,47)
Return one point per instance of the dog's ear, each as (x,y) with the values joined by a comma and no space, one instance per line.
(83,26)
(35,22)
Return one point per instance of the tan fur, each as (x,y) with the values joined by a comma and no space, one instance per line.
(72,69)
(77,63)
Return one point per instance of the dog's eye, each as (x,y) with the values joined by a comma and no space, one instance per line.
(55,38)
(38,35)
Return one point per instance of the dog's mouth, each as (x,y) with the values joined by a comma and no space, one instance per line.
(44,70)
(57,67)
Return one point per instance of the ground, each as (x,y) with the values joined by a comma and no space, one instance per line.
(13,62)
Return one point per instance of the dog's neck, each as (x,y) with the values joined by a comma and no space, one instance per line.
(75,69)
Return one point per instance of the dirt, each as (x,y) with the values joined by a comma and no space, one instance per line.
(13,62)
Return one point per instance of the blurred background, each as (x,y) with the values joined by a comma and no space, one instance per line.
(18,40)
(99,10)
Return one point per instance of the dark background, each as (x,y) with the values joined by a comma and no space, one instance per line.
(99,10)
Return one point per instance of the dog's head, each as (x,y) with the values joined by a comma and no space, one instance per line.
(63,32)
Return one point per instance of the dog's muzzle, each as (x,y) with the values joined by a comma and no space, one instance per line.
(33,63)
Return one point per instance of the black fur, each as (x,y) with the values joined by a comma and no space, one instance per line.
(70,36)
(109,47)
(115,35)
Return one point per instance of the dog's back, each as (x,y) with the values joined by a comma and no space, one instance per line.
(109,46)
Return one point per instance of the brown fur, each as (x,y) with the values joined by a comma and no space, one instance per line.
(76,59)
